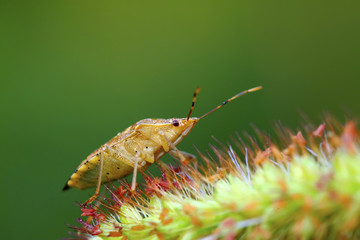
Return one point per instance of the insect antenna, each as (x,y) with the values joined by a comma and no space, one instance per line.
(197,90)
(230,99)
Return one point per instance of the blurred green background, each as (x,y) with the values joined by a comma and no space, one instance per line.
(75,73)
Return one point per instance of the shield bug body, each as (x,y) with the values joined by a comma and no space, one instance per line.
(136,148)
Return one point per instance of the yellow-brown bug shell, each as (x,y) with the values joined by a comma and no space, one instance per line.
(148,140)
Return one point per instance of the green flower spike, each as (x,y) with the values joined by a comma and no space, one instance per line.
(309,189)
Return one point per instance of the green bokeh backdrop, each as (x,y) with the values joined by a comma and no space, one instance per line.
(74,73)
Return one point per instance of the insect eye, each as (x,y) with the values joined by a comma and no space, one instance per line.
(175,123)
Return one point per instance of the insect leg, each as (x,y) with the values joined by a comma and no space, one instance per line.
(168,145)
(93,197)
(188,156)
(133,183)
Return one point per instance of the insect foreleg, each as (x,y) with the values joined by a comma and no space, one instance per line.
(188,156)
(162,140)
(168,145)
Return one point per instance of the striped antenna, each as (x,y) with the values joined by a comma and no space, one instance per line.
(197,90)
(230,99)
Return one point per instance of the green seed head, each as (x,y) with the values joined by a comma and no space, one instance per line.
(306,188)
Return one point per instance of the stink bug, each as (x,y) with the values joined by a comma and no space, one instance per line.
(136,148)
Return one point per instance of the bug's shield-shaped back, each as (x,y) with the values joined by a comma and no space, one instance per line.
(144,142)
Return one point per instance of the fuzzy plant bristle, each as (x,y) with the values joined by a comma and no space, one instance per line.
(305,187)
